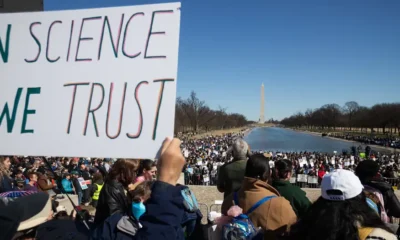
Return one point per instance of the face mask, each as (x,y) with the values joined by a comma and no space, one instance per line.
(138,209)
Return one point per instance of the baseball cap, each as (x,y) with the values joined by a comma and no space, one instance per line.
(21,213)
(340,185)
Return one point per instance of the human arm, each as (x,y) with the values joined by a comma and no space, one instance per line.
(165,210)
(221,179)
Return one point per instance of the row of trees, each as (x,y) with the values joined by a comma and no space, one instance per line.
(331,116)
(193,115)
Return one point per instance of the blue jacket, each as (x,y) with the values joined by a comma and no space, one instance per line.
(164,213)
(67,185)
(162,220)
(6,184)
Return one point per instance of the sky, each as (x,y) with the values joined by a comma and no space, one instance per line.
(307,53)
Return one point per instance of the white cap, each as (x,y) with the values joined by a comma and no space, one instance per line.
(346,182)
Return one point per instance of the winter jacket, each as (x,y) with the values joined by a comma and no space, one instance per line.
(162,219)
(230,176)
(6,184)
(164,214)
(274,216)
(112,200)
(77,185)
(67,186)
(44,184)
(297,197)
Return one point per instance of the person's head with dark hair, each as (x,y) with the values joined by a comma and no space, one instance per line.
(142,192)
(124,171)
(147,169)
(341,211)
(98,178)
(367,170)
(139,196)
(283,169)
(257,167)
(33,177)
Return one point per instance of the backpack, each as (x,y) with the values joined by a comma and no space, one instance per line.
(191,219)
(189,200)
(241,227)
(375,196)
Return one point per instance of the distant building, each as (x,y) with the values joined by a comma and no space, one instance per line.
(10,6)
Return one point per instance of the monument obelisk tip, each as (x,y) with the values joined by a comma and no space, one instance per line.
(262,116)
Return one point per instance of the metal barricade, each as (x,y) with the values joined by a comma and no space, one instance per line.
(204,210)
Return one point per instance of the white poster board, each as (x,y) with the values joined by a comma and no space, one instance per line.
(301,178)
(89,83)
(312,180)
(83,183)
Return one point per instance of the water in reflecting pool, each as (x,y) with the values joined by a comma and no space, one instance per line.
(284,140)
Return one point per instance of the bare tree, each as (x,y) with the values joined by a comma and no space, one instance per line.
(350,108)
(193,114)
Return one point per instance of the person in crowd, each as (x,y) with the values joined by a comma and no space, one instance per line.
(165,209)
(147,170)
(97,185)
(274,216)
(378,190)
(77,186)
(297,197)
(32,184)
(6,183)
(19,184)
(67,184)
(139,196)
(106,164)
(19,174)
(44,183)
(321,171)
(112,197)
(84,173)
(341,212)
(100,166)
(231,175)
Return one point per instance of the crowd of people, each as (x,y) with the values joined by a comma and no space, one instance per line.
(392,142)
(140,199)
(206,155)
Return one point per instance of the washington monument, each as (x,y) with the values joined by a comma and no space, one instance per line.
(262,117)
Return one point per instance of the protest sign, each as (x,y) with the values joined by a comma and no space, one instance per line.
(82,183)
(92,83)
(301,178)
(312,180)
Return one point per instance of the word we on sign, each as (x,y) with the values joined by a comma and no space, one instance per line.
(93,83)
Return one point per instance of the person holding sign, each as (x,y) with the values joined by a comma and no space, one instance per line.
(164,210)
